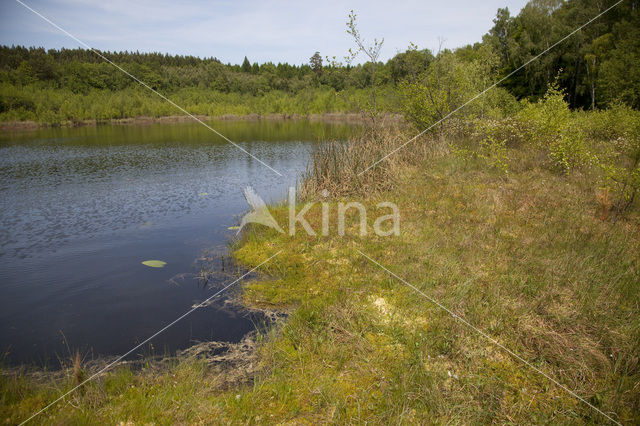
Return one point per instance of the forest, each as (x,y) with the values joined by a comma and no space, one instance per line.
(597,67)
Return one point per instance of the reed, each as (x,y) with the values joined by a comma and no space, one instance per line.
(344,168)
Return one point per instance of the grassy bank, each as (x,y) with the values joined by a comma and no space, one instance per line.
(347,118)
(526,257)
(525,249)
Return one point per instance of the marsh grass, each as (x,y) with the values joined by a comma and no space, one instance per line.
(337,166)
(525,257)
(78,371)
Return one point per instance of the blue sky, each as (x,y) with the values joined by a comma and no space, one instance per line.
(268,30)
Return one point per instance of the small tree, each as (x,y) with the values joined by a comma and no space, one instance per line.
(454,83)
(372,52)
(438,92)
(316,63)
(622,169)
(246,65)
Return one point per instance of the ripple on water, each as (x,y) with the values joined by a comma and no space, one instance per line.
(82,208)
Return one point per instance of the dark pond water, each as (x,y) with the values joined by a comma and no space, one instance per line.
(82,208)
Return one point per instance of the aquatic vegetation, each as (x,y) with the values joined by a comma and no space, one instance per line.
(154,263)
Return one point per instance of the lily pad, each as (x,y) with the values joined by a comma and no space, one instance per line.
(233,228)
(203,194)
(154,263)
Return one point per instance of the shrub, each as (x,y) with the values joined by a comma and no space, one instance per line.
(441,89)
(550,125)
(546,118)
(493,135)
(622,169)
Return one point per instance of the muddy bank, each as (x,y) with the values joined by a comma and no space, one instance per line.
(353,118)
(229,365)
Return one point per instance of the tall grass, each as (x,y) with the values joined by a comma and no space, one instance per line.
(345,168)
(524,256)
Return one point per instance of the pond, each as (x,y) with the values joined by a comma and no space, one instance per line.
(82,208)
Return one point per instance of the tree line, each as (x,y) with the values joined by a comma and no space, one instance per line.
(595,68)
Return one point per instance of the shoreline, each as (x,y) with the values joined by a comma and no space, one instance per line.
(212,350)
(328,117)
(350,335)
(234,363)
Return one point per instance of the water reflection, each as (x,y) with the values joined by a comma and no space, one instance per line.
(82,208)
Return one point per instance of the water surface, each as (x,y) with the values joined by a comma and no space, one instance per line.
(82,208)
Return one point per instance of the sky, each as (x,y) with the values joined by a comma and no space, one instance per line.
(268,30)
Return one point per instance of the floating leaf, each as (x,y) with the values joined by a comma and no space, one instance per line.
(146,224)
(154,263)
(233,228)
(203,194)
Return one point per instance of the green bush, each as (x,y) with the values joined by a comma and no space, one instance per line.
(546,118)
(619,129)
(445,90)
(550,125)
(445,86)
(493,141)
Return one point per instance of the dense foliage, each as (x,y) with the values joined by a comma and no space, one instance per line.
(596,67)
